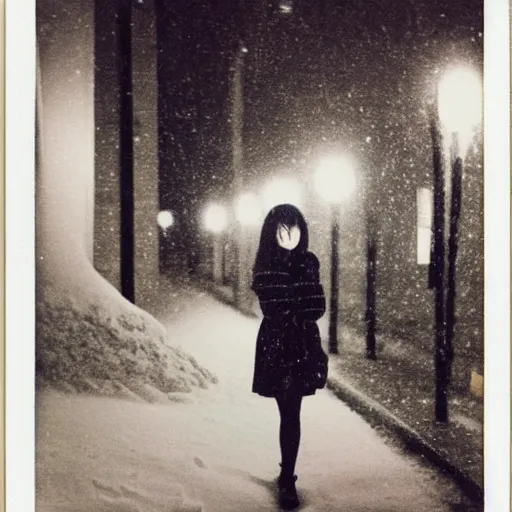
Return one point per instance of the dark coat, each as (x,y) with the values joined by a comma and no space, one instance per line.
(289,355)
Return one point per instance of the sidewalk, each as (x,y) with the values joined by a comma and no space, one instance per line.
(396,393)
(217,449)
(399,397)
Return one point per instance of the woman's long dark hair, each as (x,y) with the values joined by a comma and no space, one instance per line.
(270,253)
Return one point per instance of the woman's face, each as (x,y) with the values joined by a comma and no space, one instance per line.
(288,238)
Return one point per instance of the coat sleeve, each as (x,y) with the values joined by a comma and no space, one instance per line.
(274,292)
(309,303)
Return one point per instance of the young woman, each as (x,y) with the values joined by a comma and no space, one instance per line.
(290,362)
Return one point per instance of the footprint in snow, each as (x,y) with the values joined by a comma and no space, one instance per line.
(199,463)
(105,490)
(125,499)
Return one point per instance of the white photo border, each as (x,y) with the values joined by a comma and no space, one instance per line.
(20,254)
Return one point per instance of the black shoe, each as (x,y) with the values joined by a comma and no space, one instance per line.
(288,498)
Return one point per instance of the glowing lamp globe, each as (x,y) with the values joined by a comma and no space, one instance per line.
(335,178)
(460,103)
(248,209)
(165,219)
(215,218)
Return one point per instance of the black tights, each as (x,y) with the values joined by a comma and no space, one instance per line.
(289,431)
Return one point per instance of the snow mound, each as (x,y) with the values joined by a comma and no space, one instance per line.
(89,350)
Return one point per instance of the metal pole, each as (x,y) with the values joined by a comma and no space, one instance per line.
(333,315)
(438,270)
(371,264)
(212,255)
(453,243)
(237,106)
(126,151)
(223,253)
(217,258)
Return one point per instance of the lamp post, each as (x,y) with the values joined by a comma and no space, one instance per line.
(167,258)
(371,292)
(335,181)
(457,110)
(460,110)
(237,160)
(165,220)
(215,221)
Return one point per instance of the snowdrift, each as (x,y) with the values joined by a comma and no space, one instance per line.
(99,343)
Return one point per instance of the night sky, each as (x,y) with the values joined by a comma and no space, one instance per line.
(195,44)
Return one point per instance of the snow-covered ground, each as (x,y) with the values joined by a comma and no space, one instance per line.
(217,450)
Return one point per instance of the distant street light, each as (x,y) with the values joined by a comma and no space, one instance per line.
(335,182)
(335,179)
(281,190)
(457,110)
(248,209)
(165,220)
(215,218)
(216,221)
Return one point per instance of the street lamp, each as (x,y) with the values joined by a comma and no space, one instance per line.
(460,111)
(215,220)
(165,220)
(248,209)
(335,181)
(460,106)
(457,110)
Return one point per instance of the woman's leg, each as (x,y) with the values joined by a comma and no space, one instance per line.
(289,431)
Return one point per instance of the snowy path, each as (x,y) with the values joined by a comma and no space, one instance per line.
(219,452)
